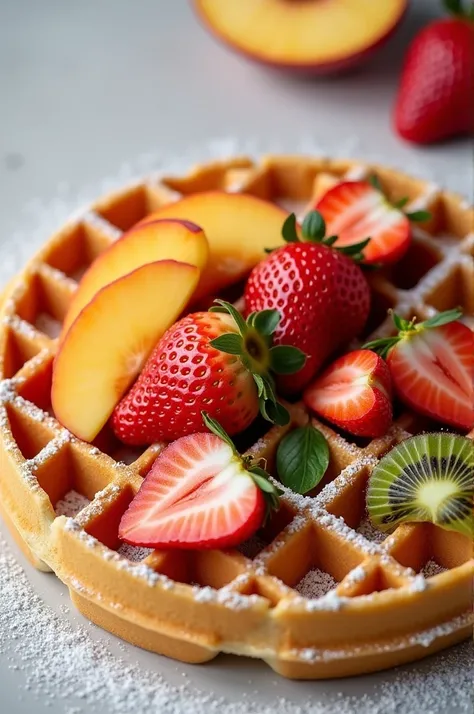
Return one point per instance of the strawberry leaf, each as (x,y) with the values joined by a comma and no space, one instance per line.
(330,241)
(288,230)
(275,412)
(419,216)
(232,311)
(355,250)
(302,459)
(285,359)
(218,430)
(265,321)
(261,391)
(401,203)
(260,477)
(231,343)
(314,227)
(375,182)
(443,318)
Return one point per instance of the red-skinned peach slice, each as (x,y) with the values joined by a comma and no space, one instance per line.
(238,228)
(166,239)
(314,36)
(110,340)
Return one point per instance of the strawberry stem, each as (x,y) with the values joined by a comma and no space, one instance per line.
(406,327)
(259,476)
(254,345)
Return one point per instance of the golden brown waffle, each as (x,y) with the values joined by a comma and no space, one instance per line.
(388,600)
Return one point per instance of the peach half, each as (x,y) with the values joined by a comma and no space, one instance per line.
(316,36)
(111,338)
(157,240)
(238,228)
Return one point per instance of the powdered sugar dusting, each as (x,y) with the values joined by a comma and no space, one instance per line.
(315,583)
(133,553)
(432,568)
(71,504)
(368,530)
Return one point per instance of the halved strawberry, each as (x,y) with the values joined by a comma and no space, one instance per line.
(432,367)
(354,210)
(354,393)
(199,493)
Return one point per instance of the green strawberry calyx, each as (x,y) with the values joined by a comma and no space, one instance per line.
(409,328)
(413,216)
(460,8)
(313,230)
(261,478)
(253,344)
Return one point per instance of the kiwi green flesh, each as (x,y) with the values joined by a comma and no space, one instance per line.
(426,478)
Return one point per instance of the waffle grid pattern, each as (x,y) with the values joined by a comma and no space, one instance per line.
(193,605)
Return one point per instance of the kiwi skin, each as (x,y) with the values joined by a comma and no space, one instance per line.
(425,478)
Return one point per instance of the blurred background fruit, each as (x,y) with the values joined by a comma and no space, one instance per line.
(315,36)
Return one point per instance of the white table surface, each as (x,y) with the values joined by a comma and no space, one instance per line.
(86,87)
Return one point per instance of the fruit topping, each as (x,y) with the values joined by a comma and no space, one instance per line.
(434,100)
(432,366)
(208,361)
(200,493)
(110,340)
(429,477)
(238,228)
(159,240)
(321,294)
(354,393)
(354,210)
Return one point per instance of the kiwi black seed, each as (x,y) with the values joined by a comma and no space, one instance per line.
(429,477)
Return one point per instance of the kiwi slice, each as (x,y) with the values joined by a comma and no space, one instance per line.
(429,477)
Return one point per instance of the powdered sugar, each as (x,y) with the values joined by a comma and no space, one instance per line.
(71,504)
(368,530)
(133,553)
(315,584)
(48,325)
(432,568)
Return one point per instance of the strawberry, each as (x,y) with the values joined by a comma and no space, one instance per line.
(200,493)
(356,209)
(432,367)
(354,393)
(213,361)
(321,294)
(434,100)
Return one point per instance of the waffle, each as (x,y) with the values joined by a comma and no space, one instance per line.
(318,593)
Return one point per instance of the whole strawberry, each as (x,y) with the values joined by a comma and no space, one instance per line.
(208,361)
(320,292)
(435,97)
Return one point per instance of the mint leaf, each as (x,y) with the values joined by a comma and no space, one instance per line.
(266,321)
(230,343)
(302,459)
(443,318)
(314,227)
(285,359)
(288,230)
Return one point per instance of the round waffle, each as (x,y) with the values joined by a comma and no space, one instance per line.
(319,593)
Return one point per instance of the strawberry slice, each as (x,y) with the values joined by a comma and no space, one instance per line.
(355,210)
(199,493)
(432,367)
(354,393)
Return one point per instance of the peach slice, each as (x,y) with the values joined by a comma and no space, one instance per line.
(238,228)
(110,340)
(317,36)
(157,240)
